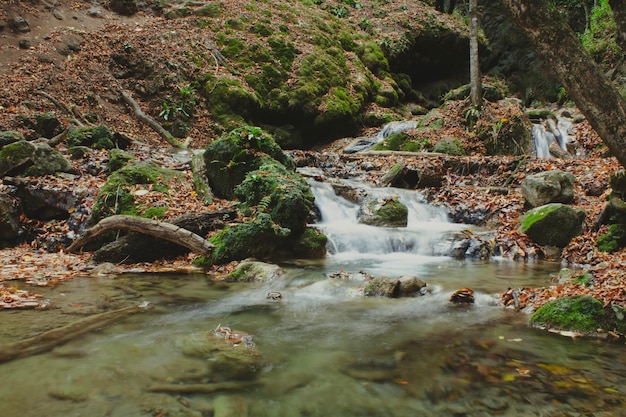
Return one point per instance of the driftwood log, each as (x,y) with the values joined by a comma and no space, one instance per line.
(151,122)
(57,337)
(160,230)
(137,247)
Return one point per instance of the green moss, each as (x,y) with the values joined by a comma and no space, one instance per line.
(117,159)
(613,240)
(155,212)
(238,152)
(116,197)
(373,57)
(581,313)
(312,244)
(210,10)
(95,137)
(450,146)
(261,29)
(393,212)
(284,52)
(259,238)
(10,136)
(283,194)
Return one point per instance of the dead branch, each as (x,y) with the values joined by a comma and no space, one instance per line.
(160,230)
(64,108)
(154,125)
(56,337)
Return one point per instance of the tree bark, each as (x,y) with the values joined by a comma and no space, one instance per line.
(585,83)
(619,15)
(476,89)
(161,230)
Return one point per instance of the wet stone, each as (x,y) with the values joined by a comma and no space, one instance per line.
(19,24)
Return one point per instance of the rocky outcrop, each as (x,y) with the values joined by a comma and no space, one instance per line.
(10,228)
(548,187)
(553,224)
(31,159)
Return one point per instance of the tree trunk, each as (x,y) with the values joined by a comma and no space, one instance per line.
(585,83)
(476,89)
(161,230)
(619,15)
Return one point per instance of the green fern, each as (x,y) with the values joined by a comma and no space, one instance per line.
(264,204)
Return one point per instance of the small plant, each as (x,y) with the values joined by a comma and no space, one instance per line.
(471,117)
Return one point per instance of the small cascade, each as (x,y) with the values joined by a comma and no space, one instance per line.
(365,143)
(386,249)
(552,133)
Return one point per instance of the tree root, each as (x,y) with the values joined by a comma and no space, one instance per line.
(56,337)
(161,230)
(152,123)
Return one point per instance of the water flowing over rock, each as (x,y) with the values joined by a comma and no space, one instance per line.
(383,211)
(365,143)
(548,187)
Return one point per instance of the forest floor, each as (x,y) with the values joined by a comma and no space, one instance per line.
(40,67)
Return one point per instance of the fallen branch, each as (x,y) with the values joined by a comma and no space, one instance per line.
(63,107)
(53,338)
(199,388)
(161,230)
(152,123)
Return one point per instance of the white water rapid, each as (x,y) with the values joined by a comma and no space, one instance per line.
(383,250)
(549,132)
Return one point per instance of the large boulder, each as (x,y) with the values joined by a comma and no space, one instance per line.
(553,224)
(386,211)
(31,159)
(234,154)
(553,186)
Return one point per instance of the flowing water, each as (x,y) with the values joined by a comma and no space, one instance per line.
(322,349)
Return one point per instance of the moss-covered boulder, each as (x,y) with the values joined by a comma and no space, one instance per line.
(613,240)
(117,159)
(234,154)
(32,159)
(10,136)
(311,244)
(10,227)
(47,124)
(553,186)
(581,313)
(118,195)
(386,211)
(95,137)
(553,224)
(282,193)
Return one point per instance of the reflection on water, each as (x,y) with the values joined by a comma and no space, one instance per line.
(321,353)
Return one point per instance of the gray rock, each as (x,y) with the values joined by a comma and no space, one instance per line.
(382,287)
(548,187)
(552,224)
(19,24)
(410,286)
(249,271)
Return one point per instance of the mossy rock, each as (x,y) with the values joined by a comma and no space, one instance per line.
(450,146)
(581,313)
(382,287)
(259,238)
(95,137)
(32,159)
(552,224)
(613,240)
(282,193)
(383,211)
(47,124)
(116,196)
(311,245)
(507,136)
(117,159)
(234,154)
(10,136)
(249,271)
(617,181)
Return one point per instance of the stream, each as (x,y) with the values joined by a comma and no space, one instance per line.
(322,349)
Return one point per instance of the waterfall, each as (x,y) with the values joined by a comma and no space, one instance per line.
(550,132)
(365,143)
(383,249)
